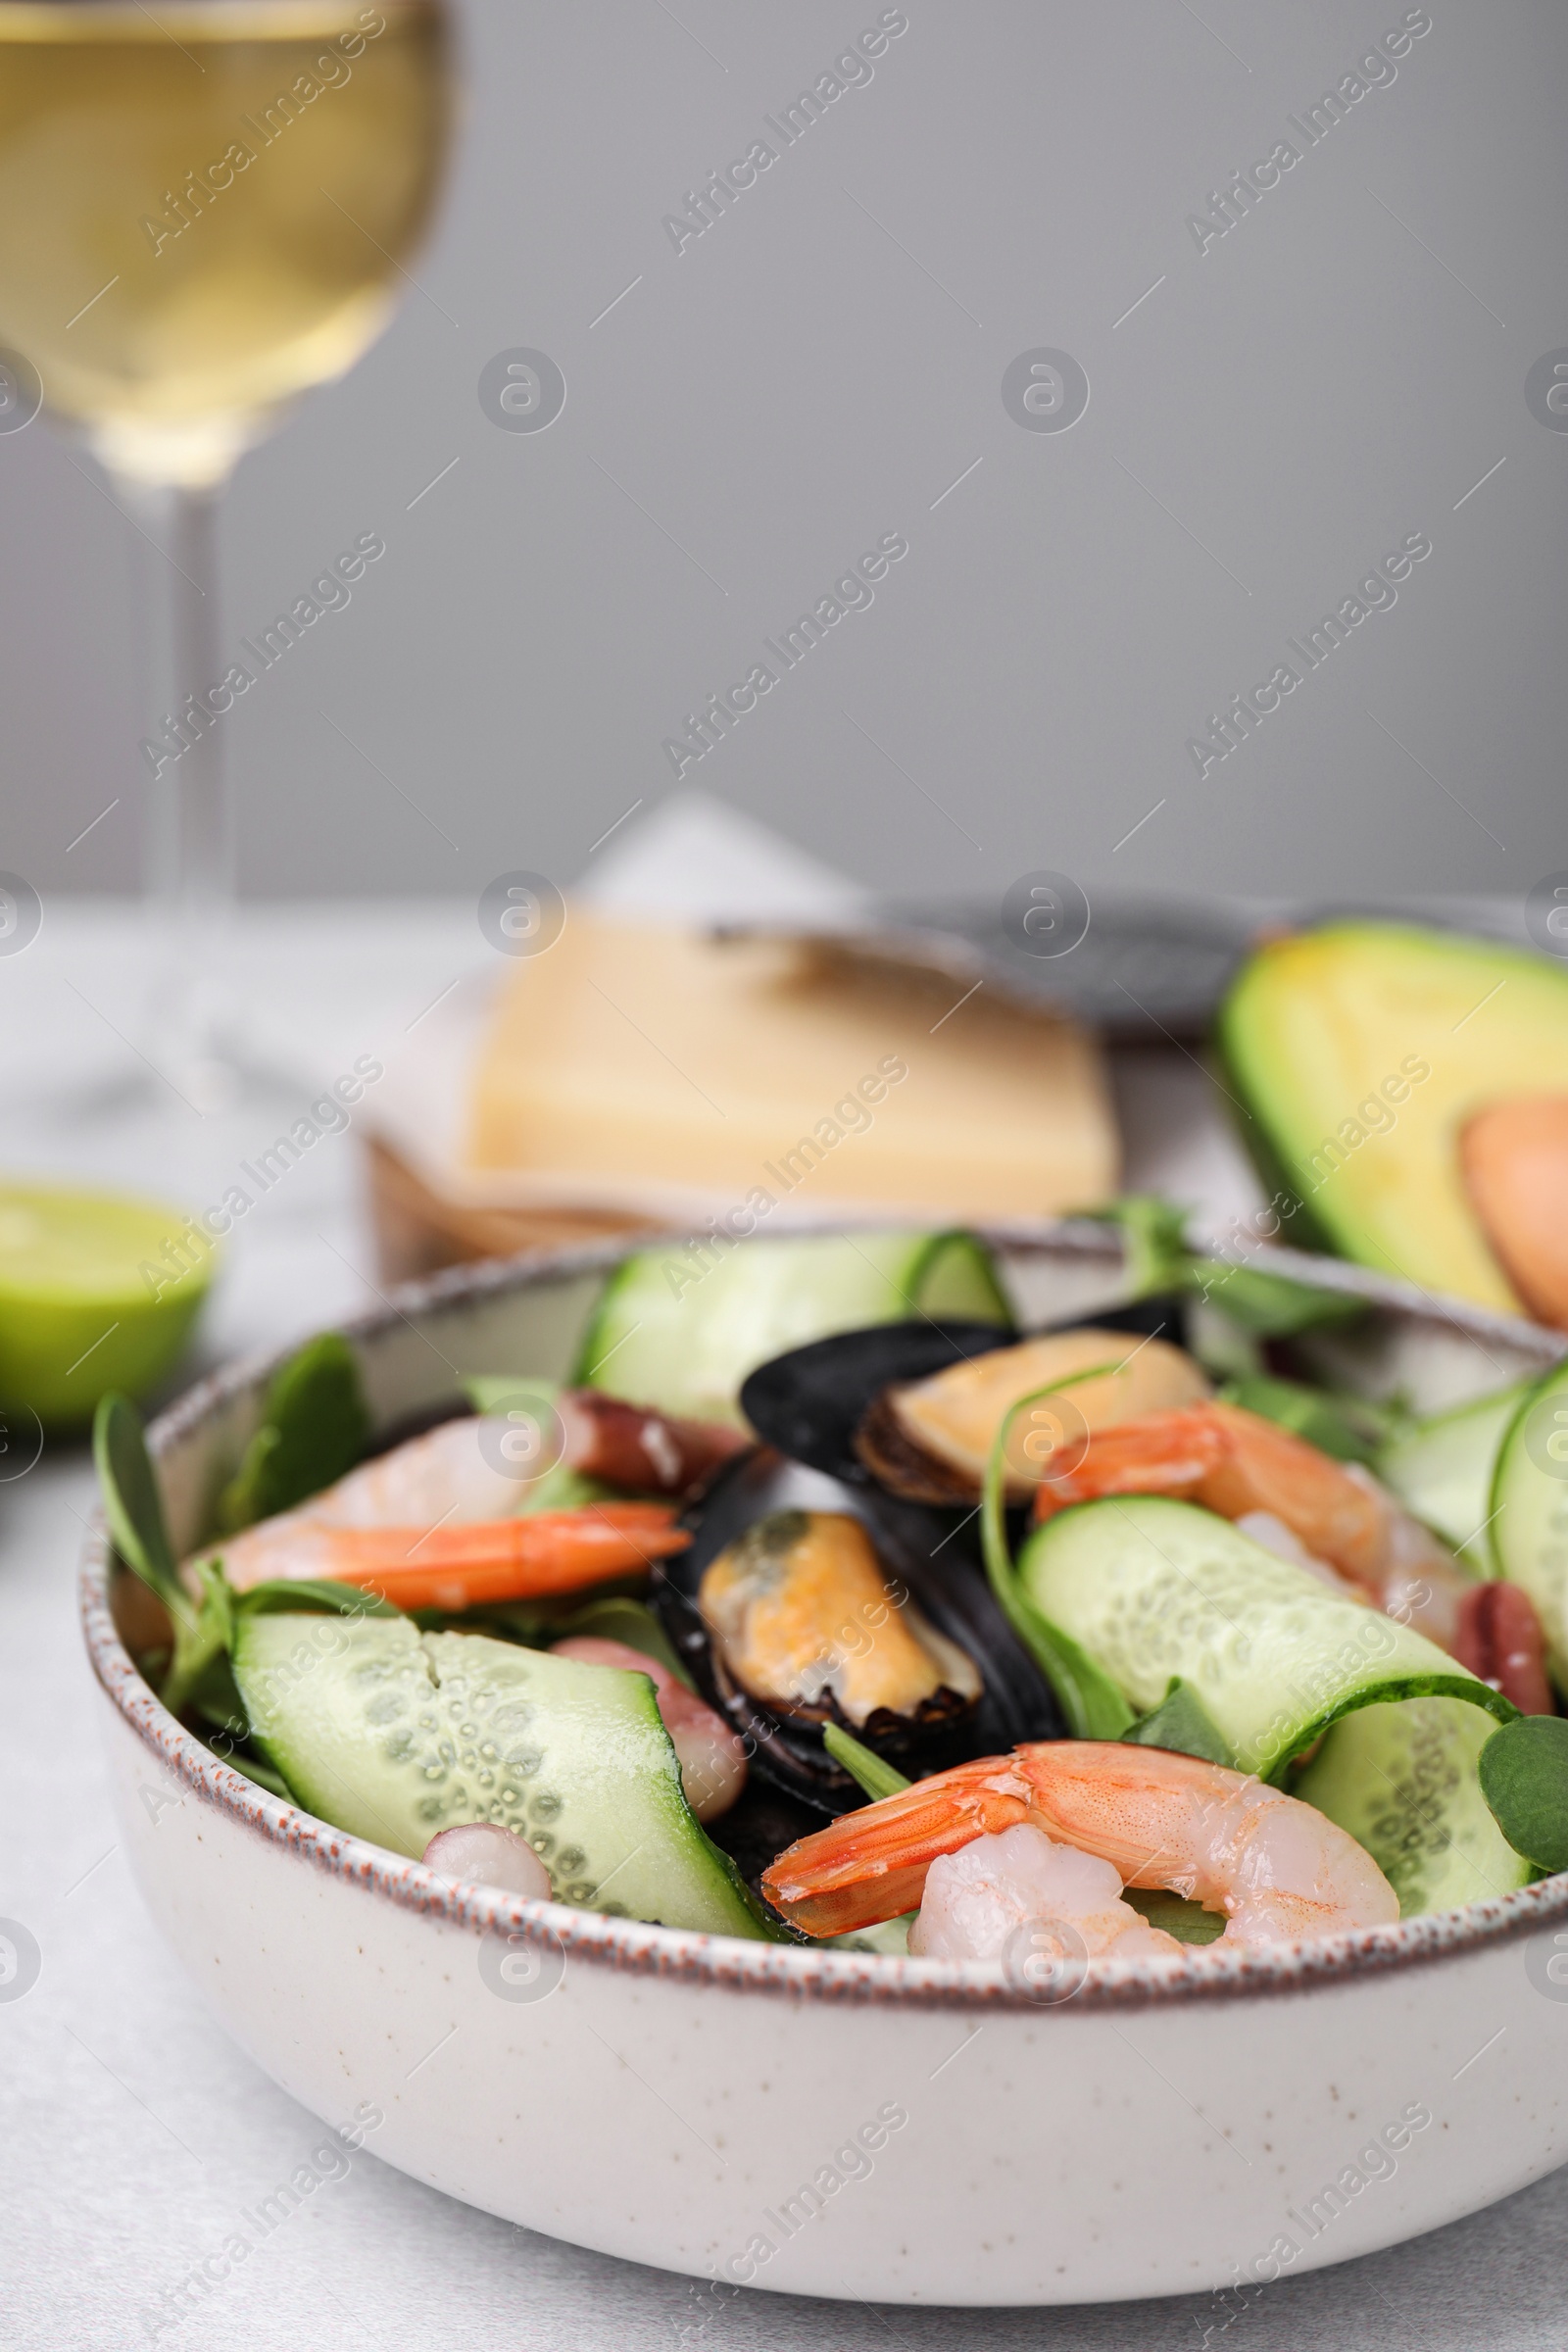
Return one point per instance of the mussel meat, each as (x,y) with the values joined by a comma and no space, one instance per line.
(796,1605)
(834,1572)
(800,1616)
(810,1404)
(930,1438)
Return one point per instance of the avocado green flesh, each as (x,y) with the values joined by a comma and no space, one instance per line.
(1153,1590)
(669,1334)
(1442,1470)
(1530,1507)
(1404,1782)
(1358,1052)
(393,1735)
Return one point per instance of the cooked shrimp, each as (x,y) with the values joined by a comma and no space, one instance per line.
(1240,1465)
(429,1498)
(443,1478)
(1329,1517)
(712,1757)
(464,1471)
(976,1900)
(460,1565)
(448,1473)
(1276,1867)
(1234,1462)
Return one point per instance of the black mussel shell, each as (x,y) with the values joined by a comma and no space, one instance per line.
(810,1404)
(888,1453)
(933,1554)
(1163,1315)
(755,1831)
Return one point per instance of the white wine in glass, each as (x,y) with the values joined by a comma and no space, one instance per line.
(206,207)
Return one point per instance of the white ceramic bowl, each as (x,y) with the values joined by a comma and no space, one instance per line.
(831,2125)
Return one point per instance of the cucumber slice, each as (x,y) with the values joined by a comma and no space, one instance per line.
(393,1735)
(954,1279)
(1529,1508)
(1150,1589)
(671,1333)
(1404,1783)
(1443,1471)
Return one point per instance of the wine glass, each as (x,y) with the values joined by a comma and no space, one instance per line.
(205,210)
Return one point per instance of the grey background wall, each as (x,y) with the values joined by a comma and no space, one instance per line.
(820,368)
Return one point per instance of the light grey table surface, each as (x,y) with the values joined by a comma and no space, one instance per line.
(132,2131)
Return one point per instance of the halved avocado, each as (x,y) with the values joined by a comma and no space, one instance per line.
(1357,1052)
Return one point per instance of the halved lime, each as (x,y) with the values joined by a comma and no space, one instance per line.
(97,1291)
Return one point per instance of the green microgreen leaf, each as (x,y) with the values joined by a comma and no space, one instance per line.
(133,1502)
(1092,1703)
(1188,1922)
(1263,1305)
(1342,1427)
(285,1593)
(1524,1778)
(316,1425)
(1268,1307)
(1182,1722)
(868,1770)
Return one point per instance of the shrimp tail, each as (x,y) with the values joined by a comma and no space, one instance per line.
(871,1865)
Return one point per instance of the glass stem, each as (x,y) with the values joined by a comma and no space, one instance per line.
(190,816)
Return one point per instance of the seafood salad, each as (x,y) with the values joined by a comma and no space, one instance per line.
(824,1605)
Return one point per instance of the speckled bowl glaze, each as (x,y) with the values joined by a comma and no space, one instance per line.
(826,2124)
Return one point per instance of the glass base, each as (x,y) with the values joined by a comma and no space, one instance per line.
(197,1046)
(170,1119)
(225,1078)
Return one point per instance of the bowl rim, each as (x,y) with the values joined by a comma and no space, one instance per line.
(557,1931)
